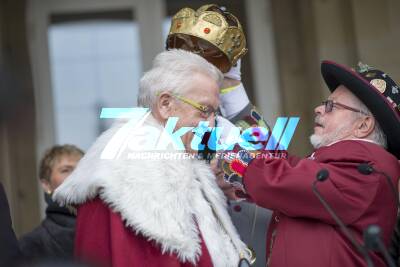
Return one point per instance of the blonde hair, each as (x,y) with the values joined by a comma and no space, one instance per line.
(52,155)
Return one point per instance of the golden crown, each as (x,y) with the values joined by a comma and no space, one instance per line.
(209,23)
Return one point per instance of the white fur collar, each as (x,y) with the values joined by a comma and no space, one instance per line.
(158,198)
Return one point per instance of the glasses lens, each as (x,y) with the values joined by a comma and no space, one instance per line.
(328,106)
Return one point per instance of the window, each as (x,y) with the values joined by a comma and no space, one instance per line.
(94,63)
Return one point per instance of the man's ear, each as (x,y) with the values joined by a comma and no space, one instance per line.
(46,186)
(164,105)
(365,127)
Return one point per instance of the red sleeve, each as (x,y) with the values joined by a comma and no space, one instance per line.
(102,238)
(286,186)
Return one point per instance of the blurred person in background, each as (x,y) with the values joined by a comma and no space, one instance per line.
(54,237)
(9,250)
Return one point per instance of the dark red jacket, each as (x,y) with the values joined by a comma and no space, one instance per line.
(303,234)
(103,239)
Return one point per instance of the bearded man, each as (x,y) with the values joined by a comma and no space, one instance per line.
(356,141)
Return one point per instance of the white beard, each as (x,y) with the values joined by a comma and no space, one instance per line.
(340,133)
(316,141)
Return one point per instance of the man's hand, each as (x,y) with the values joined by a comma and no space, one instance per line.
(227,188)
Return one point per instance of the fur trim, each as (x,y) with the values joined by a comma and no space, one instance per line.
(160,198)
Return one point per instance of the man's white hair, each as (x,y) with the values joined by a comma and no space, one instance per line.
(377,135)
(173,71)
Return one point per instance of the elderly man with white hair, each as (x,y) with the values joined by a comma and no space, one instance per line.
(354,168)
(159,211)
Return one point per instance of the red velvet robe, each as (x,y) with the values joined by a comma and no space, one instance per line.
(103,239)
(303,234)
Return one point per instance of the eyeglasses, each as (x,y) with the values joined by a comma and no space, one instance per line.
(206,111)
(329,104)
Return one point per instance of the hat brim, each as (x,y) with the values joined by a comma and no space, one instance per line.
(335,74)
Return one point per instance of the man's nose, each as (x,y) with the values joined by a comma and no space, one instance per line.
(320,109)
